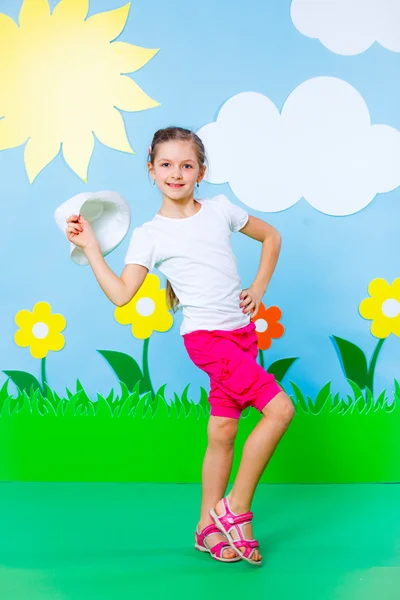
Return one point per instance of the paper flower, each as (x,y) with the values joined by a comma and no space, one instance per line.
(147,311)
(40,330)
(382,308)
(267,325)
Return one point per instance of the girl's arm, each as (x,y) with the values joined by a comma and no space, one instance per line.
(271,245)
(120,290)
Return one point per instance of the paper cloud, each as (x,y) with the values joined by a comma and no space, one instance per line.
(321,147)
(349,26)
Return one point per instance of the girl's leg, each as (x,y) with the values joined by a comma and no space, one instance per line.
(259,448)
(217,467)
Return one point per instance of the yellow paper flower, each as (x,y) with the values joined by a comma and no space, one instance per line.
(382,308)
(40,330)
(62,81)
(147,311)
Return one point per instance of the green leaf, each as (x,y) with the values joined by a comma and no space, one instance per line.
(323,396)
(61,408)
(125,367)
(25,382)
(300,401)
(356,390)
(124,391)
(369,398)
(360,405)
(396,390)
(80,388)
(246,413)
(161,392)
(381,401)
(104,409)
(178,404)
(128,405)
(201,413)
(42,406)
(280,367)
(353,361)
(143,406)
(3,395)
(187,403)
(204,403)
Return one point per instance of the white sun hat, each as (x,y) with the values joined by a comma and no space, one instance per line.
(107,212)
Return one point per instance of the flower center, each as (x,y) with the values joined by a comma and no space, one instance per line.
(145,307)
(391,308)
(40,330)
(261,325)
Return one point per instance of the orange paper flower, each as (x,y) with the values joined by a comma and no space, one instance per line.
(268,326)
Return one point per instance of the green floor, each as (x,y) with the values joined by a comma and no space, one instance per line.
(119,541)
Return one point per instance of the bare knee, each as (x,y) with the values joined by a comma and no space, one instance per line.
(280,409)
(287,411)
(222,431)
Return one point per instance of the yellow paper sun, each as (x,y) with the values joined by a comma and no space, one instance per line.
(61,82)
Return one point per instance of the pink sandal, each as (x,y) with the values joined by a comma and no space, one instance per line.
(229,521)
(217,550)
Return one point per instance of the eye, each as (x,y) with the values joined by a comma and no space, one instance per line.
(165,164)
(187,165)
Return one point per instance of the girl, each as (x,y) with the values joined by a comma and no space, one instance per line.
(188,240)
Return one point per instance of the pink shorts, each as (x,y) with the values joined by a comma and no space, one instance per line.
(229,359)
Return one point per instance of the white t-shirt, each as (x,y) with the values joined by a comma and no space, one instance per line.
(196,256)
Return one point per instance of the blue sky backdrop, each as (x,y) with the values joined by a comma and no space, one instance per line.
(209,52)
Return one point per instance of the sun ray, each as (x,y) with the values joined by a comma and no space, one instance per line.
(111,23)
(71,10)
(111,132)
(38,154)
(33,11)
(8,29)
(130,97)
(132,58)
(77,152)
(11,135)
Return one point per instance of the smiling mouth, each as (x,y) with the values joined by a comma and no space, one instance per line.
(176,185)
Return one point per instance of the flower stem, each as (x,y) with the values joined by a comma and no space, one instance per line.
(43,372)
(146,373)
(372,366)
(261,357)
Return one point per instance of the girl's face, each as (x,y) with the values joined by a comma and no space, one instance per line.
(176,169)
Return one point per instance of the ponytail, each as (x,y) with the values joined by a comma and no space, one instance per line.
(172,300)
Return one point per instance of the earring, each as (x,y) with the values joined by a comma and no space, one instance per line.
(154,182)
(197,185)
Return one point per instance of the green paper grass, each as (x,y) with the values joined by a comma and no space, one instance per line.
(133,437)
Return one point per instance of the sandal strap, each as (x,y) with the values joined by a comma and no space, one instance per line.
(239,519)
(218,549)
(229,519)
(249,545)
(209,530)
(204,533)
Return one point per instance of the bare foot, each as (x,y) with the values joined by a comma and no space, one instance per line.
(215,538)
(247,529)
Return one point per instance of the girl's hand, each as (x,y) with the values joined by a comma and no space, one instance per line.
(251,300)
(80,232)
